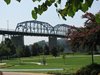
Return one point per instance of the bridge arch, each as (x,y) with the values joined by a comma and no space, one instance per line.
(34,26)
(61,29)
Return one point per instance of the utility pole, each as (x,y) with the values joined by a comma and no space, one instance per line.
(8,25)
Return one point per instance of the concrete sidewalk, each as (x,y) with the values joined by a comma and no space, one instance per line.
(21,73)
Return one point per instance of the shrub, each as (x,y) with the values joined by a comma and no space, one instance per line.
(93,69)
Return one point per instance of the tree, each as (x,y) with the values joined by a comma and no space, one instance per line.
(60,49)
(46,50)
(35,49)
(7,48)
(87,36)
(24,52)
(55,51)
(4,51)
(27,52)
(19,53)
(71,7)
(11,46)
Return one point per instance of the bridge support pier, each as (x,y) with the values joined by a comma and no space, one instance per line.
(52,42)
(3,38)
(18,41)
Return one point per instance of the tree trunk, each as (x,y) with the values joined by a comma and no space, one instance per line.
(92,52)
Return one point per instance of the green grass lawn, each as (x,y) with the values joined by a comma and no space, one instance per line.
(72,62)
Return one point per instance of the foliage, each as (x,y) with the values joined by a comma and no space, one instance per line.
(60,49)
(35,49)
(10,45)
(55,51)
(4,51)
(87,35)
(26,52)
(7,1)
(19,52)
(97,17)
(70,8)
(7,48)
(46,50)
(93,69)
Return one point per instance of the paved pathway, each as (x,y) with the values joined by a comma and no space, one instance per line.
(20,73)
(29,70)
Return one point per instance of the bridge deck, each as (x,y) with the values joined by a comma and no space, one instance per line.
(9,32)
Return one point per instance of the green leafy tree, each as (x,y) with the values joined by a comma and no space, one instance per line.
(46,50)
(60,49)
(4,51)
(70,8)
(27,52)
(35,49)
(19,54)
(23,52)
(7,48)
(55,51)
(10,45)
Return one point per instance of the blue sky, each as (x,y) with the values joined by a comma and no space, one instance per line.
(18,12)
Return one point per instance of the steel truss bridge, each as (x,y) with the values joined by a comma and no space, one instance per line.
(38,28)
